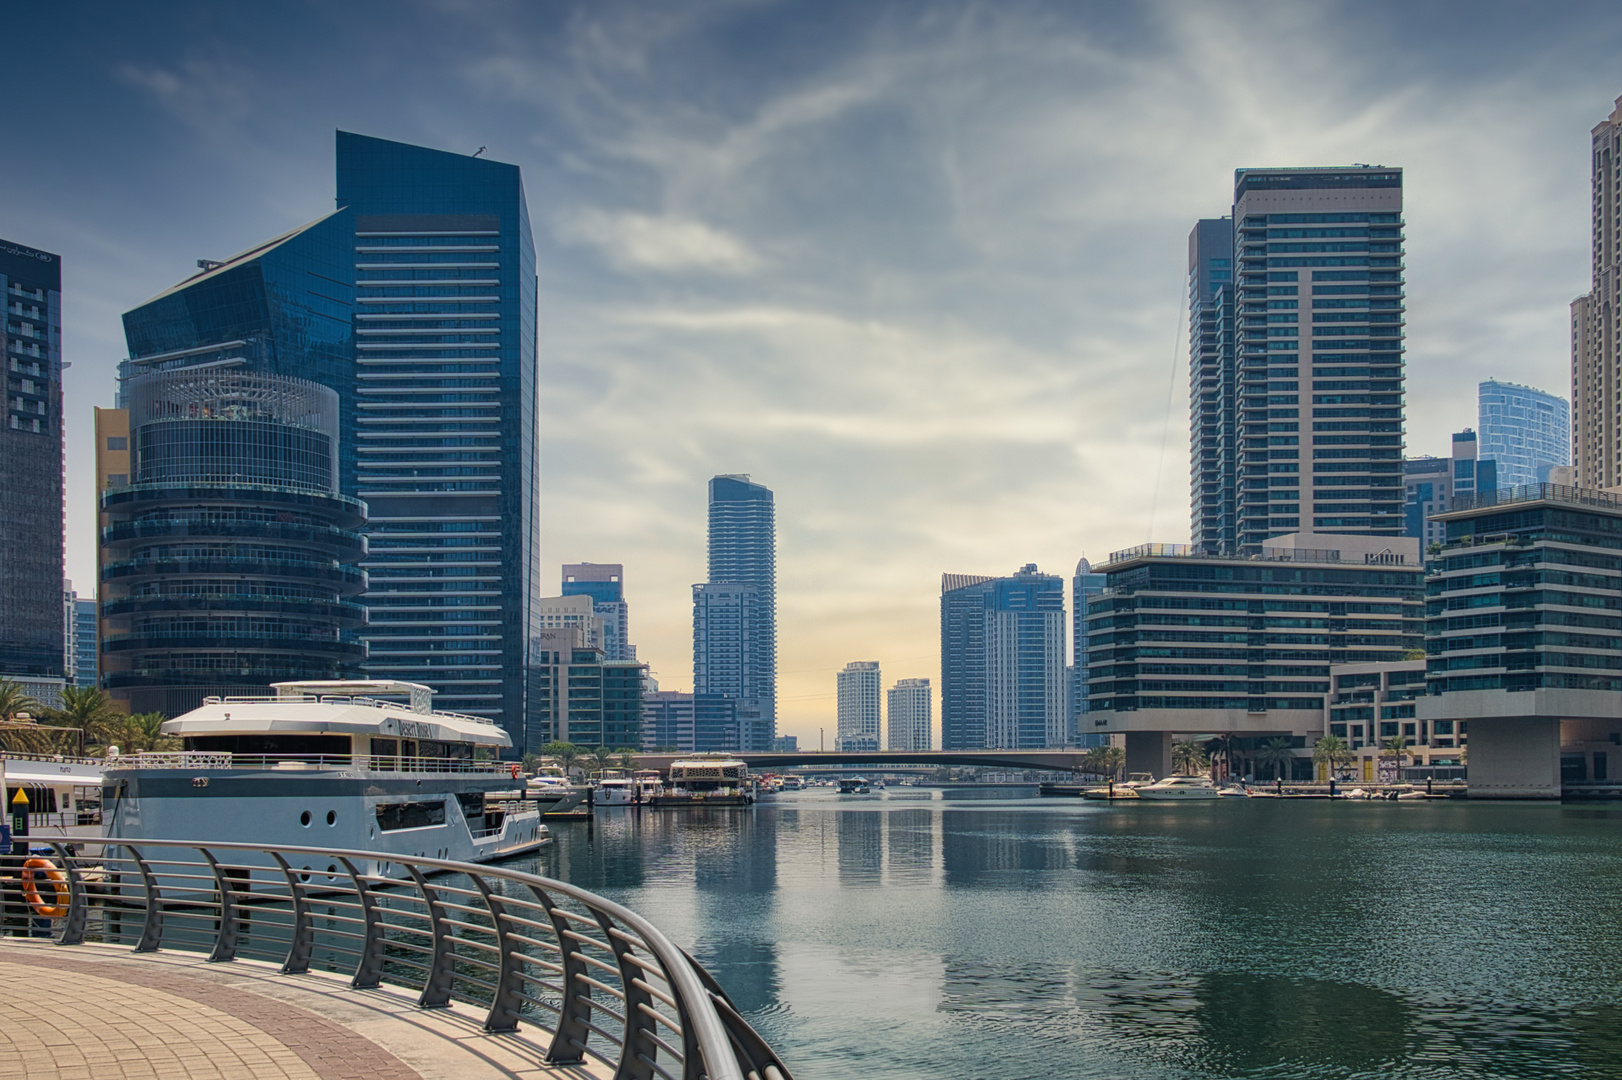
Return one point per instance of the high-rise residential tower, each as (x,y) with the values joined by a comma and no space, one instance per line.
(443,436)
(860,706)
(31,626)
(1596,393)
(605,584)
(1212,385)
(1002,661)
(1318,316)
(908,704)
(743,551)
(727,658)
(1525,431)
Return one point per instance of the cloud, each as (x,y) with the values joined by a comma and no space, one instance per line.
(640,241)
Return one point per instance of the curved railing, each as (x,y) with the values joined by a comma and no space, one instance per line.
(590,977)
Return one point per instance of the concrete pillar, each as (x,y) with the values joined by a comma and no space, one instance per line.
(1514,758)
(1150,752)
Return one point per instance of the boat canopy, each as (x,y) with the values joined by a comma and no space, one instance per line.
(334,716)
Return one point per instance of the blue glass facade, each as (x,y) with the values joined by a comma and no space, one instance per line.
(31,630)
(1526,431)
(1083,587)
(443,443)
(1212,385)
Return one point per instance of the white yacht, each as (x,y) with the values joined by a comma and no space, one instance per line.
(64,793)
(1180,787)
(332,765)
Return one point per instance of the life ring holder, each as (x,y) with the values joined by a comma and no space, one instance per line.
(59,882)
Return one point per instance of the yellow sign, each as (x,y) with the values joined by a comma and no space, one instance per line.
(20,797)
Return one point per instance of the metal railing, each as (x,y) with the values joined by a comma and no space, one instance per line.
(209,759)
(574,974)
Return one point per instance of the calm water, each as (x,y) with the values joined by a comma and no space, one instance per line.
(1002,937)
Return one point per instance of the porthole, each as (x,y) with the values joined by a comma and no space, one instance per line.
(332,817)
(304,819)
(332,870)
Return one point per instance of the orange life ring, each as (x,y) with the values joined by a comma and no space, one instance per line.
(515,769)
(58,880)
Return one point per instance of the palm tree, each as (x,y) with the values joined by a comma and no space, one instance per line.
(1331,751)
(1274,753)
(14,699)
(1221,746)
(1188,759)
(1111,760)
(87,709)
(566,754)
(602,759)
(627,758)
(140,733)
(1395,747)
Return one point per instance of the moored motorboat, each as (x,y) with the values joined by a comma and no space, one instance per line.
(1175,788)
(706,781)
(330,765)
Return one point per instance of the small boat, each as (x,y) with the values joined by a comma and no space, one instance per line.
(618,791)
(64,793)
(1174,788)
(853,785)
(1126,789)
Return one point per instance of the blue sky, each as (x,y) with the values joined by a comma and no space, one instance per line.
(916,266)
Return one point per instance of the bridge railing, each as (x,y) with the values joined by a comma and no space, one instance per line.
(573,973)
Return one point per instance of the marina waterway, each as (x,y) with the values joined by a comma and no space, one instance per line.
(988,933)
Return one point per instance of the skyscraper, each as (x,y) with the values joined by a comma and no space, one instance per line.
(229,558)
(1524,431)
(605,584)
(1002,661)
(908,705)
(860,706)
(31,626)
(1212,385)
(1083,587)
(727,659)
(444,432)
(1595,400)
(1317,414)
(743,551)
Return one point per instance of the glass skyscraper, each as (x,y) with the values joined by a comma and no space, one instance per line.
(743,551)
(605,584)
(1212,383)
(1002,661)
(443,439)
(1316,418)
(1524,430)
(31,627)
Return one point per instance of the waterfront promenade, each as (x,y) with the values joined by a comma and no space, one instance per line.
(100,1012)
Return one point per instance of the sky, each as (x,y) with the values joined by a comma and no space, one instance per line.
(917,267)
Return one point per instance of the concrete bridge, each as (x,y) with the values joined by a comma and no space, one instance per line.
(871,761)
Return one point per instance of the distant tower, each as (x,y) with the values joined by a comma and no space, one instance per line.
(1085,585)
(1525,431)
(860,718)
(1437,485)
(1212,386)
(1002,661)
(727,660)
(605,584)
(743,552)
(1595,372)
(909,715)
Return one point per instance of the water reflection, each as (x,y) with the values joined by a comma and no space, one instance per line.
(1010,938)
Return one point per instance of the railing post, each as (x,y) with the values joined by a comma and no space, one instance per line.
(303,931)
(152,926)
(225,942)
(436,987)
(506,1005)
(637,1050)
(574,1010)
(78,909)
(369,969)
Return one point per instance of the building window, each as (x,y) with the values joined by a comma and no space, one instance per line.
(118,442)
(1388,731)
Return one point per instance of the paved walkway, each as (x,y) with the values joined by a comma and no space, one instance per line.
(92,1012)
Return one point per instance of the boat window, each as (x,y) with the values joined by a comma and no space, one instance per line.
(435,748)
(41,800)
(411,815)
(299,745)
(472,804)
